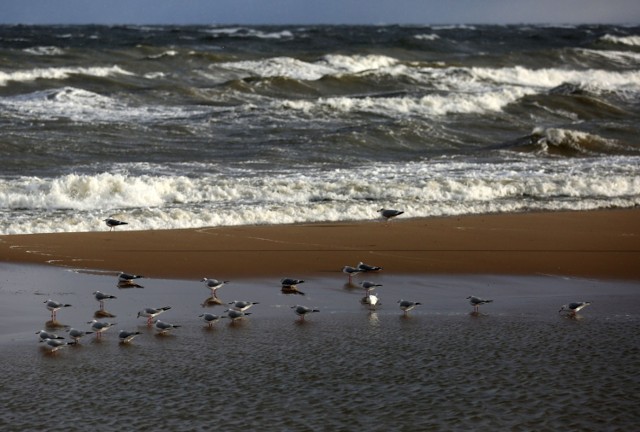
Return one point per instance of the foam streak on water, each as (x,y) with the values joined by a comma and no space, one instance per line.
(176,127)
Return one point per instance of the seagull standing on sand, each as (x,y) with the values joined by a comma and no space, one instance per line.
(213,285)
(99,327)
(164,327)
(127,336)
(389,214)
(77,334)
(476,302)
(574,308)
(351,271)
(112,223)
(151,313)
(301,311)
(289,286)
(101,297)
(210,319)
(407,305)
(53,306)
(54,345)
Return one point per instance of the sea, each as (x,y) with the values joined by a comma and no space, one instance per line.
(188,126)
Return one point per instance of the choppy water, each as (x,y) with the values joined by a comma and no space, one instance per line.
(518,366)
(173,127)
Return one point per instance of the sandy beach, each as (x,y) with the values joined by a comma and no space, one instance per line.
(602,244)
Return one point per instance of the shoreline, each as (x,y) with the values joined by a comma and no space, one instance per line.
(600,243)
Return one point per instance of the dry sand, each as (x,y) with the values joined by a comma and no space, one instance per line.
(602,244)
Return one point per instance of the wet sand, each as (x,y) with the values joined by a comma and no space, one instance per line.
(602,244)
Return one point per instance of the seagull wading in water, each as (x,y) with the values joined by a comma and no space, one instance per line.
(151,313)
(302,311)
(407,305)
(476,302)
(351,272)
(101,297)
(54,306)
(213,284)
(574,308)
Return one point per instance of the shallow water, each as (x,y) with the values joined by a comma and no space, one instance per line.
(516,366)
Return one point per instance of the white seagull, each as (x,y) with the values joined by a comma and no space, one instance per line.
(389,214)
(53,306)
(351,271)
(210,318)
(407,305)
(99,327)
(301,311)
(242,305)
(213,284)
(574,308)
(77,334)
(54,345)
(476,302)
(112,223)
(164,327)
(101,297)
(151,313)
(127,336)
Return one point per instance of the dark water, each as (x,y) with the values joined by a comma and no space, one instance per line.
(519,365)
(175,127)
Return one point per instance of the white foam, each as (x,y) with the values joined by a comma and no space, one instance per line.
(59,73)
(624,40)
(428,188)
(44,50)
(427,37)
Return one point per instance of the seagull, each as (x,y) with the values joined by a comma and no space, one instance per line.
(164,327)
(371,299)
(407,305)
(476,302)
(127,336)
(77,334)
(112,223)
(210,318)
(242,305)
(301,311)
(236,314)
(369,285)
(46,335)
(389,214)
(574,308)
(99,327)
(55,344)
(151,313)
(53,306)
(213,284)
(101,297)
(367,268)
(350,271)
(289,286)
(127,279)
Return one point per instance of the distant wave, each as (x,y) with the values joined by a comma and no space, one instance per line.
(624,40)
(246,32)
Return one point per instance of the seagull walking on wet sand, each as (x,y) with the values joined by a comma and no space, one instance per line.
(351,272)
(101,297)
(235,315)
(389,214)
(213,284)
(407,305)
(290,286)
(127,336)
(151,313)
(242,305)
(76,334)
(100,327)
(574,307)
(54,345)
(112,223)
(164,327)
(302,311)
(54,306)
(476,302)
(210,318)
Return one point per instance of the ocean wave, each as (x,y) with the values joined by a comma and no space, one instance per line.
(624,40)
(59,73)
(568,142)
(427,37)
(430,188)
(44,50)
(247,32)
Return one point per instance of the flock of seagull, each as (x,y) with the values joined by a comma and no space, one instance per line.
(237,309)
